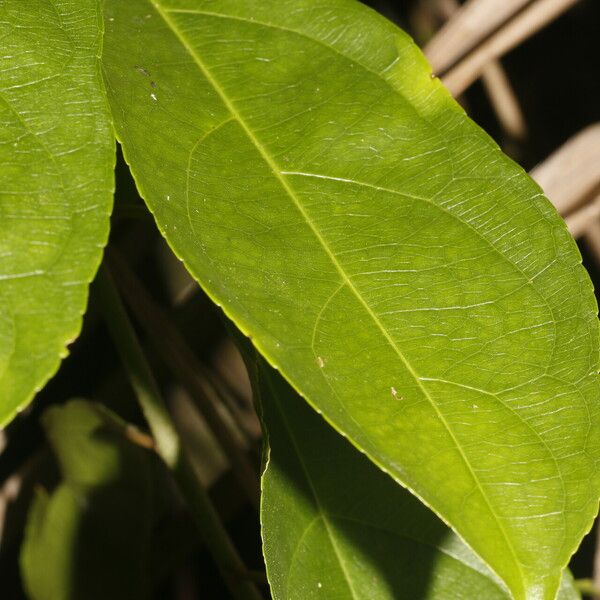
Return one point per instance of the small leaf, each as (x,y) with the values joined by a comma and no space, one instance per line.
(404,275)
(57,154)
(333,525)
(90,538)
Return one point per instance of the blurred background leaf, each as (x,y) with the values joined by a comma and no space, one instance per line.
(90,537)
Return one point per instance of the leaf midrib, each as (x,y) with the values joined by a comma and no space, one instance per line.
(291,193)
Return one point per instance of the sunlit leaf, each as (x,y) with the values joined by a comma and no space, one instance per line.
(404,275)
(57,154)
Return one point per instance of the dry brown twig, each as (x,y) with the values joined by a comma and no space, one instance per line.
(572,172)
(442,50)
(570,177)
(469,25)
(531,19)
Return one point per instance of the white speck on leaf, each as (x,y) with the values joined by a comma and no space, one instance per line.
(395,394)
(153,96)
(320,362)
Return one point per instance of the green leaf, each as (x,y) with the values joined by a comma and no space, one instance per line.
(404,275)
(333,525)
(90,537)
(57,154)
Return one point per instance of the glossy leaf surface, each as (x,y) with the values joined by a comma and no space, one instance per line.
(409,279)
(57,154)
(333,525)
(89,538)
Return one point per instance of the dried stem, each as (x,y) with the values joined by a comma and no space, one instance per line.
(168,445)
(533,18)
(177,355)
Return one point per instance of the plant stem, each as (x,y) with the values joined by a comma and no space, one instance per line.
(167,440)
(178,356)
